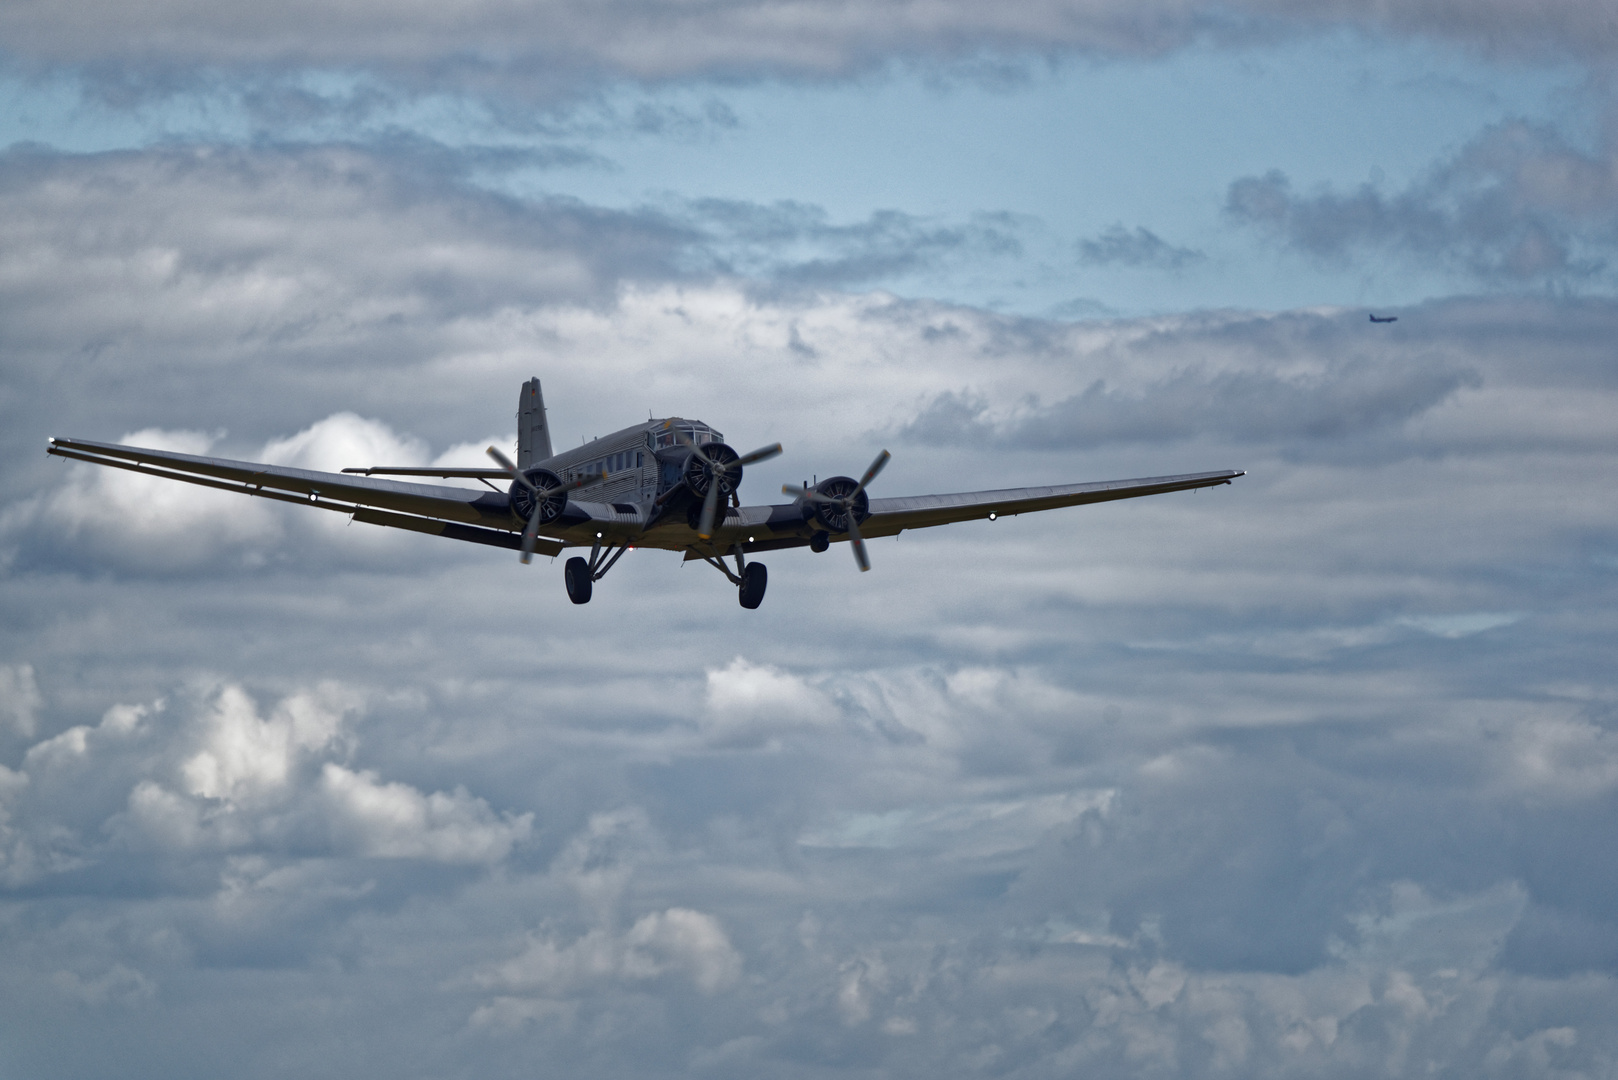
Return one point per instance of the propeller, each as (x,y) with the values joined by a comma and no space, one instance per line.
(710,502)
(848,504)
(530,533)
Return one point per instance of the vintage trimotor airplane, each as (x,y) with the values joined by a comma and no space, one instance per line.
(667,484)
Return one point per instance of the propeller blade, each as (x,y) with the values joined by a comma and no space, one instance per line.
(805,493)
(763,453)
(685,440)
(511,467)
(710,508)
(530,533)
(870,474)
(857,543)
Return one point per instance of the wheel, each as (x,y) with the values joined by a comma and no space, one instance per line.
(751,593)
(577,575)
(819,542)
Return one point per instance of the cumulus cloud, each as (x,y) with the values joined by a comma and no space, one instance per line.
(679,941)
(394,820)
(340,440)
(123,519)
(1518,204)
(749,703)
(146,519)
(226,779)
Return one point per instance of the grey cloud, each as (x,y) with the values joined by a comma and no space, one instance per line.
(1117,246)
(553,48)
(796,244)
(1517,204)
(1312,775)
(1351,398)
(347,266)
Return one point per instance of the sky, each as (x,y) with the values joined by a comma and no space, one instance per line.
(1311,775)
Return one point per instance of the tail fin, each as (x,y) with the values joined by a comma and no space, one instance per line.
(533,433)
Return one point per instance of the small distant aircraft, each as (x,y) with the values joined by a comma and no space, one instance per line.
(1389,318)
(667,484)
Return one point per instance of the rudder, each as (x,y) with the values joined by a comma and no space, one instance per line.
(533,433)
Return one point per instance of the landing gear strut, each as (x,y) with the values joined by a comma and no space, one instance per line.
(581,575)
(750,579)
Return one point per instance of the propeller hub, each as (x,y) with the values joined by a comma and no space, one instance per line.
(543,486)
(841,496)
(710,462)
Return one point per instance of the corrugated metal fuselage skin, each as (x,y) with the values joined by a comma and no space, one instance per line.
(628,459)
(641,466)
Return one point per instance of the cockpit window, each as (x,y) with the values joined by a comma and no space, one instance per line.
(699,433)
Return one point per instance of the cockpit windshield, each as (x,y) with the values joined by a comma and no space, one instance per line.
(694,430)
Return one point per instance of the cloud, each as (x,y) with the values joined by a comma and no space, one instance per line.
(1349,399)
(1313,774)
(395,821)
(1517,204)
(1117,246)
(146,523)
(749,703)
(796,244)
(680,941)
(19,698)
(227,780)
(555,48)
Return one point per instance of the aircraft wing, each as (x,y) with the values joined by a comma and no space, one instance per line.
(785,525)
(889,516)
(455,513)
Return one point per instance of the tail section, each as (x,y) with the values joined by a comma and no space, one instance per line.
(533,433)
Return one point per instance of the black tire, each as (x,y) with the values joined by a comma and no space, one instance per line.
(579,585)
(754,580)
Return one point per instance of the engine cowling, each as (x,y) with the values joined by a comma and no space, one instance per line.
(552,496)
(832,517)
(698,474)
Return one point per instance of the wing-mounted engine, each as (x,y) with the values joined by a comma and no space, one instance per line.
(840,504)
(833,509)
(544,489)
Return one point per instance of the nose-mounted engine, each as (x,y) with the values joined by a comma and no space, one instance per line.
(716,462)
(547,488)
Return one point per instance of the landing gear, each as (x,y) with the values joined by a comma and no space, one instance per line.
(581,574)
(751,591)
(580,582)
(820,541)
(749,578)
